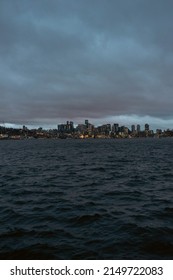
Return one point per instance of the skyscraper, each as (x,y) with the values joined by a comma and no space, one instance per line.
(147,127)
(86,123)
(133,128)
(115,127)
(138,128)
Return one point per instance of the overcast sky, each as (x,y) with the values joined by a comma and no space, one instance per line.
(107,61)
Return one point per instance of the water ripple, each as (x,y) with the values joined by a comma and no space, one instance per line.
(89,199)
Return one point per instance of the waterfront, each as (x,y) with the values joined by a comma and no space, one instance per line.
(86,199)
(83,131)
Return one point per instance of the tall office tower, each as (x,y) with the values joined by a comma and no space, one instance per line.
(138,128)
(67,125)
(133,128)
(86,123)
(108,127)
(71,126)
(115,127)
(147,127)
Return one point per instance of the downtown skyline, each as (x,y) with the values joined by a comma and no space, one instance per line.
(135,127)
(83,131)
(121,120)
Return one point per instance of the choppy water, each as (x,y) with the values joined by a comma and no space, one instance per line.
(86,199)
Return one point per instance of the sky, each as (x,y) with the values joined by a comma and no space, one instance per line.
(108,61)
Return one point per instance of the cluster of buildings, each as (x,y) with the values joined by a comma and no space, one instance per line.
(84,130)
(88,130)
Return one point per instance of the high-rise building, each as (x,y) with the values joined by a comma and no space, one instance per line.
(81,128)
(115,127)
(104,129)
(138,128)
(147,127)
(133,128)
(68,127)
(86,123)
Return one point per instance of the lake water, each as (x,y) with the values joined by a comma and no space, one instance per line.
(86,199)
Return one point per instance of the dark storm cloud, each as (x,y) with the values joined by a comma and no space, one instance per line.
(81,58)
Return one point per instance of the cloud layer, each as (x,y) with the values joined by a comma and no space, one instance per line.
(77,59)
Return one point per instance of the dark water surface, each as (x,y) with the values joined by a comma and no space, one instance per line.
(86,199)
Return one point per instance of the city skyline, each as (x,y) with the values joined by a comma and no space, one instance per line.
(107,61)
(131,127)
(124,121)
(96,124)
(83,131)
